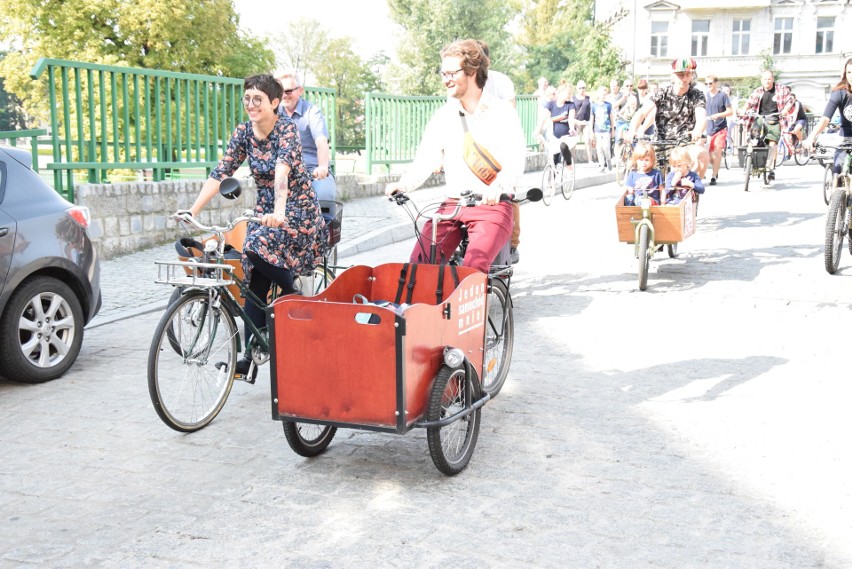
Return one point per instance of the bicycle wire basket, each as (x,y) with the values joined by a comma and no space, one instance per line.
(194,274)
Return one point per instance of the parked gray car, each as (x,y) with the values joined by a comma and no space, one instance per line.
(49,274)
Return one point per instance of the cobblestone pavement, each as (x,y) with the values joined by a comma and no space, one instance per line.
(128,286)
(702,423)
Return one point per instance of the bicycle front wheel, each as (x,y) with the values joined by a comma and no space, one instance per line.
(451,446)
(308,439)
(835,230)
(499,337)
(547,184)
(747,171)
(644,256)
(568,180)
(191,362)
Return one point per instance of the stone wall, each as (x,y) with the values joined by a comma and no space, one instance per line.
(129,217)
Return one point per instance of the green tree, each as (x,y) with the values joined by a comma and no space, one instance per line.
(340,68)
(11,114)
(429,25)
(197,36)
(302,47)
(562,41)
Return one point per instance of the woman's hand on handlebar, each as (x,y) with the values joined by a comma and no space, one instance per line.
(320,172)
(274,219)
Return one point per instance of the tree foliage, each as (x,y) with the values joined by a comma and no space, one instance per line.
(562,41)
(11,115)
(430,25)
(340,68)
(196,36)
(302,47)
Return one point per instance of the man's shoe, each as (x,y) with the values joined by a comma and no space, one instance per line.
(712,181)
(514,255)
(772,175)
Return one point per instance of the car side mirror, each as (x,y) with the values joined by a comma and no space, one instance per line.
(230,188)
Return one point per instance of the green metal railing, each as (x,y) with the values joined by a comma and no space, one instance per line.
(395,125)
(110,118)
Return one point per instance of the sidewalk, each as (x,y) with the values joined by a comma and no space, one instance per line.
(128,286)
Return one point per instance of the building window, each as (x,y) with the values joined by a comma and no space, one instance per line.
(700,37)
(825,35)
(783,36)
(659,39)
(740,37)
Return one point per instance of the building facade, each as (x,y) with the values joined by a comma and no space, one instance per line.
(734,39)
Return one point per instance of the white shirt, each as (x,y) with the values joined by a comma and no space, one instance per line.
(499,85)
(494,125)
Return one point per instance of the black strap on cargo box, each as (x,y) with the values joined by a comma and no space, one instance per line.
(411,281)
(439,292)
(402,274)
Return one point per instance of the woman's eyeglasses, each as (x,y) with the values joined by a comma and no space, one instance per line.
(252,101)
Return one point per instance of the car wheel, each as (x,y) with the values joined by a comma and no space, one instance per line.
(41,331)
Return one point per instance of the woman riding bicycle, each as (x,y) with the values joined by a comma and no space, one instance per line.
(839,100)
(290,237)
(480,143)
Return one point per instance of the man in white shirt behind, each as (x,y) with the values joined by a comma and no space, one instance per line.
(494,126)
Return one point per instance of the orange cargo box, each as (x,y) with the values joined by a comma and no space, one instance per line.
(672,223)
(338,362)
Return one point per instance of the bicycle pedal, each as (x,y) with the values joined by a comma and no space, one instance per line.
(245,377)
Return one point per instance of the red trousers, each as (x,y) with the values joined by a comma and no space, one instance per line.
(488,229)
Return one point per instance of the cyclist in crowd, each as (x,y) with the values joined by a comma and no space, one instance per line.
(769,98)
(796,119)
(583,112)
(557,124)
(309,120)
(469,116)
(676,112)
(718,108)
(291,234)
(603,123)
(840,102)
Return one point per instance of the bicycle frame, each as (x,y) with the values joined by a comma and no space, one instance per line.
(645,204)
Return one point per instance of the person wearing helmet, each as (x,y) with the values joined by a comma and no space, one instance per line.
(677,112)
(769,99)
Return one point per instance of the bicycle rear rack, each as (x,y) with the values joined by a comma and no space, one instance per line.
(190,273)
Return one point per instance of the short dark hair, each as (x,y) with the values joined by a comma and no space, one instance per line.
(265,83)
(473,59)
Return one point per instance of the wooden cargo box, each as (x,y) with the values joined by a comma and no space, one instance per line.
(672,223)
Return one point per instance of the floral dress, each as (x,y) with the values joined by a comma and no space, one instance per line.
(300,243)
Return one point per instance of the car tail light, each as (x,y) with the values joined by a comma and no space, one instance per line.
(80,214)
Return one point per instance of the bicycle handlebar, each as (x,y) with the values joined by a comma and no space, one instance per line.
(186,217)
(471,199)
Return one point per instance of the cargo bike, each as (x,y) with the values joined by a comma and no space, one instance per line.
(651,227)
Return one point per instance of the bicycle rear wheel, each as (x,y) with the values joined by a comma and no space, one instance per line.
(191,362)
(801,154)
(547,184)
(499,337)
(827,183)
(568,181)
(835,230)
